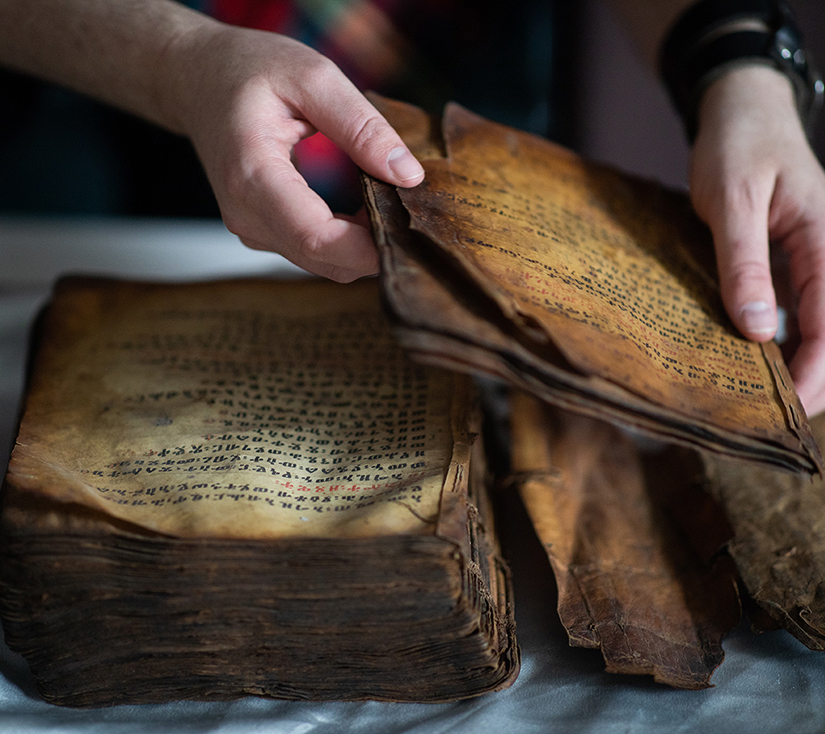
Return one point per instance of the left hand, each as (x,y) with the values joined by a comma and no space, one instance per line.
(756,182)
(246,98)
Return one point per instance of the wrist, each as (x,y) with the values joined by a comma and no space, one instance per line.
(177,68)
(714,37)
(753,95)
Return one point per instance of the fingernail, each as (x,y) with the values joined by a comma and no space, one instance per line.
(404,165)
(758,318)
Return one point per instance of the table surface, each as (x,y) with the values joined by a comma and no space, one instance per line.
(770,681)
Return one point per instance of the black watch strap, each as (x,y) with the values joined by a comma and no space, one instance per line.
(713,36)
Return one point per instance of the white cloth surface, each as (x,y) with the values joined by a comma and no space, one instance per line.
(768,683)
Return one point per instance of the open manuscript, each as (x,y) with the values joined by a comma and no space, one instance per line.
(242,488)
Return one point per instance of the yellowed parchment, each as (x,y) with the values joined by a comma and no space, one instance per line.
(246,409)
(595,263)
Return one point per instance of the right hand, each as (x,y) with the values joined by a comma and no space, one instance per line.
(245,98)
(757,183)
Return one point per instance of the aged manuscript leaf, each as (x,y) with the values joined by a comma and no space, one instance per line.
(779,540)
(589,288)
(628,583)
(201,411)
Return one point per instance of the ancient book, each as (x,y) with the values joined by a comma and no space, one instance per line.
(242,488)
(246,487)
(589,288)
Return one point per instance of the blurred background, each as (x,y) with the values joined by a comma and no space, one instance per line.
(566,70)
(624,116)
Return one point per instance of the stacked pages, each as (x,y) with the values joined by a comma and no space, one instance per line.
(246,488)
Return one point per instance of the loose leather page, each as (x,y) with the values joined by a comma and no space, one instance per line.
(601,283)
(628,583)
(779,540)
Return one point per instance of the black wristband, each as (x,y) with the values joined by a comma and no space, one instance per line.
(714,36)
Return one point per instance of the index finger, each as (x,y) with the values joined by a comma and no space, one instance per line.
(296,222)
(335,106)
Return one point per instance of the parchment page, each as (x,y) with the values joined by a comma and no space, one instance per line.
(778,521)
(628,583)
(602,267)
(246,409)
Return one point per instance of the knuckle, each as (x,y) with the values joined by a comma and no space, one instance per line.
(752,272)
(732,198)
(254,185)
(368,131)
(310,245)
(237,172)
(748,192)
(319,72)
(235,182)
(742,196)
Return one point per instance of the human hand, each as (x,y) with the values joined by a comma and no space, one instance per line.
(245,98)
(755,181)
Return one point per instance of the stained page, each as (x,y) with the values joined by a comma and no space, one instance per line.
(606,278)
(581,259)
(628,583)
(245,409)
(778,542)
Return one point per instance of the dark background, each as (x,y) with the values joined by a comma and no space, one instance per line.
(576,76)
(624,116)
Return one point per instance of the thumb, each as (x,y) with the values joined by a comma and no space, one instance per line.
(345,116)
(740,235)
